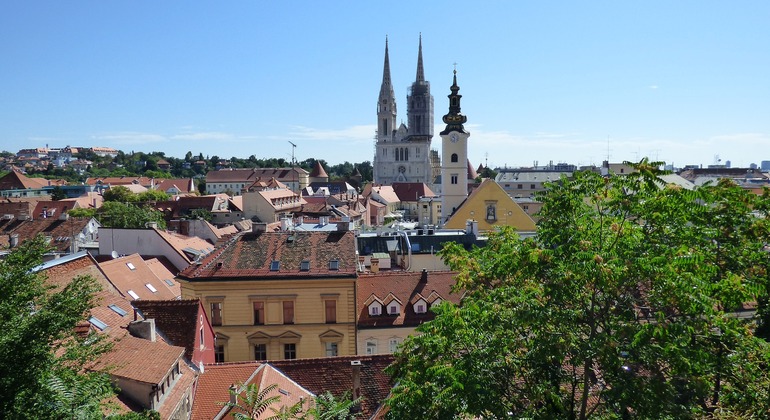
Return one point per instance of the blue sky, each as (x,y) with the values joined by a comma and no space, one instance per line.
(681,81)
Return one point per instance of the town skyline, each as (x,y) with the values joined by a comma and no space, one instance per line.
(684,83)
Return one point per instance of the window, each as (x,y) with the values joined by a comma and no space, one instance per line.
(169,282)
(216,313)
(331,349)
(275,265)
(133,294)
(393,345)
(531,186)
(130,266)
(334,265)
(393,309)
(202,337)
(118,310)
(454,178)
(219,353)
(259,313)
(519,186)
(454,157)
(288,312)
(152,288)
(331,311)
(304,265)
(419,307)
(260,351)
(289,351)
(374,309)
(98,323)
(371,347)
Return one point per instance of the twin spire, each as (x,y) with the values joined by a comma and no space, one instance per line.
(386,82)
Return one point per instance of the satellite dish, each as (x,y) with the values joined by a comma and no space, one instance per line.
(114,254)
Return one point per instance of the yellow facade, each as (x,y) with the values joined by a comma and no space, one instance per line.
(231,303)
(491,206)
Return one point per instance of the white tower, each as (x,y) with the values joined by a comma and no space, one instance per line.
(454,156)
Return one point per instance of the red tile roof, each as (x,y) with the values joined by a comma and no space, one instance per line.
(60,231)
(131,273)
(176,319)
(251,255)
(406,288)
(252,174)
(412,191)
(183,185)
(335,374)
(213,386)
(16,180)
(318,171)
(140,360)
(51,209)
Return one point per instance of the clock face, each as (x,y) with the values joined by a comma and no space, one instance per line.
(453,137)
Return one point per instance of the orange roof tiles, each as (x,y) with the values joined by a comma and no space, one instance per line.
(405,287)
(131,275)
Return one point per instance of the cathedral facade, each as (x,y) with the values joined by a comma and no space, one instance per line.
(402,151)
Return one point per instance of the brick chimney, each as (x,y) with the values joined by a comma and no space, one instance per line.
(424,276)
(143,329)
(356,367)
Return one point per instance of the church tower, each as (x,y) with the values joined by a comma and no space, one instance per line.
(402,153)
(454,155)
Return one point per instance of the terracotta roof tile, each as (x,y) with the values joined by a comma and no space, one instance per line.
(130,274)
(405,287)
(251,255)
(60,231)
(213,386)
(176,319)
(140,360)
(335,374)
(411,191)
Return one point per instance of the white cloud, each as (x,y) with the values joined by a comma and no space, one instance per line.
(130,138)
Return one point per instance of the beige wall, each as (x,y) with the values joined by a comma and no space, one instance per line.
(310,332)
(381,338)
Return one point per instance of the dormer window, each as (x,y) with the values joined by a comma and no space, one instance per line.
(275,265)
(374,309)
(334,265)
(436,302)
(393,308)
(420,307)
(304,265)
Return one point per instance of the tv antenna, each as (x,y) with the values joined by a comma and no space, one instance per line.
(293,163)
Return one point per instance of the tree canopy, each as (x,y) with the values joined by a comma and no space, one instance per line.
(623,306)
(40,354)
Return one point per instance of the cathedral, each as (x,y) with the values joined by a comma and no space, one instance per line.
(402,151)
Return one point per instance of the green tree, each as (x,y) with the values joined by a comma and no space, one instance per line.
(119,193)
(328,407)
(622,306)
(152,195)
(113,214)
(82,212)
(251,402)
(40,353)
(58,193)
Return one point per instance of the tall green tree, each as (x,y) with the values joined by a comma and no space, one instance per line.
(40,354)
(120,194)
(113,214)
(622,306)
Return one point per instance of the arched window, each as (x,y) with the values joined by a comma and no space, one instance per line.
(406,153)
(454,157)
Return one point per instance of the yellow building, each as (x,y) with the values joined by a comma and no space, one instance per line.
(279,295)
(491,207)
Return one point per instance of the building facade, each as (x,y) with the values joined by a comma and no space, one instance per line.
(402,152)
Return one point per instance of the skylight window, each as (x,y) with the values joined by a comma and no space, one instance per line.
(133,294)
(98,323)
(169,282)
(152,288)
(334,265)
(118,310)
(304,265)
(131,266)
(275,265)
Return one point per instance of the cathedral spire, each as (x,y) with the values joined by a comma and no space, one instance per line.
(386,89)
(420,71)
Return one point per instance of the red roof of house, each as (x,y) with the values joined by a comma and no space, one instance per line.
(279,255)
(130,274)
(60,231)
(408,288)
(411,191)
(335,374)
(176,319)
(318,171)
(16,180)
(213,386)
(51,209)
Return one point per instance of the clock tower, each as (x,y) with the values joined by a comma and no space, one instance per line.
(454,156)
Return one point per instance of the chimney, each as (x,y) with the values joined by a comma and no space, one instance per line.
(356,367)
(375,265)
(143,329)
(14,242)
(259,227)
(424,276)
(152,225)
(284,223)
(233,394)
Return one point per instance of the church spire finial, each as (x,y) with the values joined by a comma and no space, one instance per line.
(420,71)
(386,67)
(455,119)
